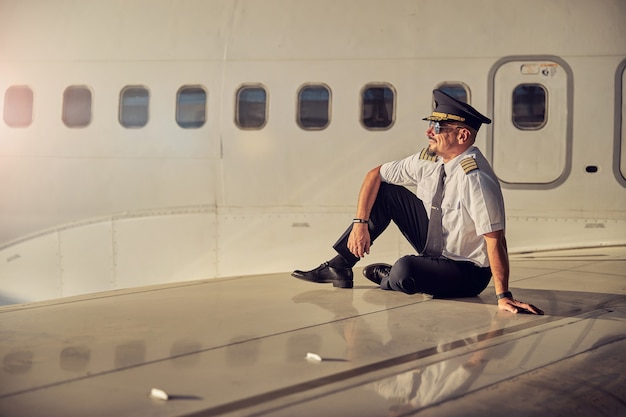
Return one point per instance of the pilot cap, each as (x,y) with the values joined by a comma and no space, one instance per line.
(448,108)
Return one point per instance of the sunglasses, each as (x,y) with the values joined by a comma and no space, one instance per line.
(437,127)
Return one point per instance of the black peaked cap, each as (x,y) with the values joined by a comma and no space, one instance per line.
(450,109)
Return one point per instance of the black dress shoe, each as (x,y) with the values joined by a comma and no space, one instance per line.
(340,277)
(376,272)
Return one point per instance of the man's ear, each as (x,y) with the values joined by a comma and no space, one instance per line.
(464,136)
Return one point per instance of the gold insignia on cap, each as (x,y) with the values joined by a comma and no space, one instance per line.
(437,117)
(426,156)
(469,164)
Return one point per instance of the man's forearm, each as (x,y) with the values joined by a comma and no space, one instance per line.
(368,193)
(359,240)
(498,260)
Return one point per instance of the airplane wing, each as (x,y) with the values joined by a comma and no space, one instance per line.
(273,345)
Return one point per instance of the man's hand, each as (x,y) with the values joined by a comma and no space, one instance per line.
(359,240)
(514,306)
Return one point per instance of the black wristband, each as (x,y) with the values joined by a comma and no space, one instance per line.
(360,221)
(506,294)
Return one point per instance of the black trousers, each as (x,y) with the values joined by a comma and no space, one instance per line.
(440,277)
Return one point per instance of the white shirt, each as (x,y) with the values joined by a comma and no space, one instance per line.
(472,203)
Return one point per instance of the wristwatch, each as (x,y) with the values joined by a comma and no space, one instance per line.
(506,294)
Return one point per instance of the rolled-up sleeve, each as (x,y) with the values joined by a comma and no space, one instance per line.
(401,172)
(485,203)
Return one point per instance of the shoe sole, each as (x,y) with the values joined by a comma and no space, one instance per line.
(336,283)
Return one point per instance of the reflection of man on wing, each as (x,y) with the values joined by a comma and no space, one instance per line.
(461,242)
(439,381)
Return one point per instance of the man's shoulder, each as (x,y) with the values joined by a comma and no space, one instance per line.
(469,164)
(473,161)
(474,152)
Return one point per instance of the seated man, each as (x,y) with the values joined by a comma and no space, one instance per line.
(455,220)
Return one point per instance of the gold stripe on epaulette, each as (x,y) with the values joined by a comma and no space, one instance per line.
(469,164)
(425,156)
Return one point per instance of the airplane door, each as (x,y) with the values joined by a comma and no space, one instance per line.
(530,138)
(619,165)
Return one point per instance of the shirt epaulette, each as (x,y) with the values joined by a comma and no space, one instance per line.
(469,164)
(426,156)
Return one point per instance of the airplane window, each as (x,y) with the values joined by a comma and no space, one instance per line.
(313,107)
(456,90)
(134,107)
(529,106)
(377,106)
(251,111)
(191,107)
(76,106)
(18,106)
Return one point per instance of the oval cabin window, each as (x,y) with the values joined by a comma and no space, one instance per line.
(377,106)
(251,111)
(191,107)
(76,106)
(134,102)
(313,107)
(529,106)
(18,106)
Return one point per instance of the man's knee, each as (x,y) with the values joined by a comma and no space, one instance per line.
(400,276)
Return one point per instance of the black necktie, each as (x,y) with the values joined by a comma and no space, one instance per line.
(434,239)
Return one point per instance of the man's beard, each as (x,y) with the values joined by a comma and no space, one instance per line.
(430,152)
